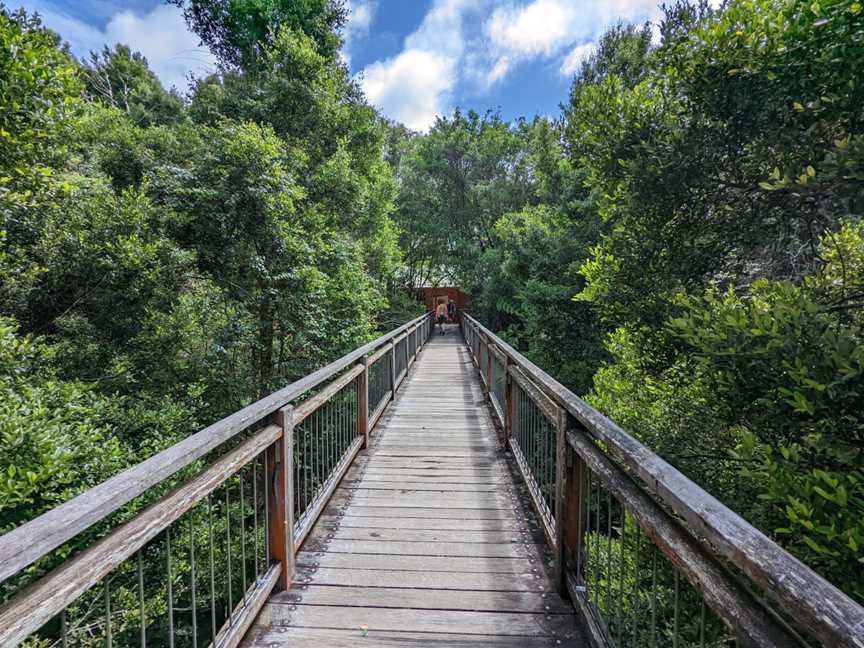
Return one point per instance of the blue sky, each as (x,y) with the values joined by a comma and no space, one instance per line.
(414,58)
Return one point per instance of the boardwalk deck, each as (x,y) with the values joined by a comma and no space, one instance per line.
(428,541)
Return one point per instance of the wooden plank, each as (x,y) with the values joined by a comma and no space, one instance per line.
(336,638)
(425,599)
(29,542)
(481,565)
(38,603)
(350,520)
(421,535)
(395,548)
(367,486)
(811,601)
(387,619)
(510,582)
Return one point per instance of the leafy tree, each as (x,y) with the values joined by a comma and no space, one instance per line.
(238,32)
(122,79)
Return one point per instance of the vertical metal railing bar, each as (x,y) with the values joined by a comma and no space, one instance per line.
(192,592)
(212,568)
(608,571)
(230,605)
(654,597)
(634,598)
(243,537)
(676,627)
(622,542)
(142,613)
(170,588)
(109,637)
(64,640)
(255,530)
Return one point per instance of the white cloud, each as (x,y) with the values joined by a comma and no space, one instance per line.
(361,13)
(160,35)
(414,86)
(546,28)
(499,70)
(570,64)
(541,27)
(410,87)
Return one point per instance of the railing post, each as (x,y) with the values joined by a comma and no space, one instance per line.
(490,370)
(280,471)
(576,513)
(560,504)
(363,402)
(392,355)
(407,357)
(509,402)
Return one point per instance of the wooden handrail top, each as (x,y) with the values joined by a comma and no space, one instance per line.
(29,542)
(808,598)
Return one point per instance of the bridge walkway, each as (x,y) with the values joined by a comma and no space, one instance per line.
(429,540)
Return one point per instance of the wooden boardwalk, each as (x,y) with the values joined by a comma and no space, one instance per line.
(428,541)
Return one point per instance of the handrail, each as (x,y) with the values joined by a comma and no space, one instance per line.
(26,544)
(815,606)
(289,467)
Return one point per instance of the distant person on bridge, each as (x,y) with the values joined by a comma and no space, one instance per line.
(441,313)
(451,311)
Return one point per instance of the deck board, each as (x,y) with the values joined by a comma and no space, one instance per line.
(426,542)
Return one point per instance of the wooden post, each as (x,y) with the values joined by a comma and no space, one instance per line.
(510,402)
(392,371)
(363,402)
(280,471)
(407,357)
(489,370)
(560,505)
(576,513)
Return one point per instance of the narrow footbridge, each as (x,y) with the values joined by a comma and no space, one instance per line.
(423,490)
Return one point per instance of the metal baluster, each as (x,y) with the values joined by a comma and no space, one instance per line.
(243,537)
(230,608)
(622,540)
(676,627)
(597,546)
(142,616)
(109,639)
(64,641)
(266,479)
(586,568)
(192,590)
(654,598)
(635,596)
(170,588)
(609,553)
(212,570)
(255,512)
(581,527)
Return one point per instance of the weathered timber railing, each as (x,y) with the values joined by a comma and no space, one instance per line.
(194,567)
(646,555)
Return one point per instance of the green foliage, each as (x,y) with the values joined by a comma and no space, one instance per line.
(122,79)
(238,31)
(39,88)
(729,177)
